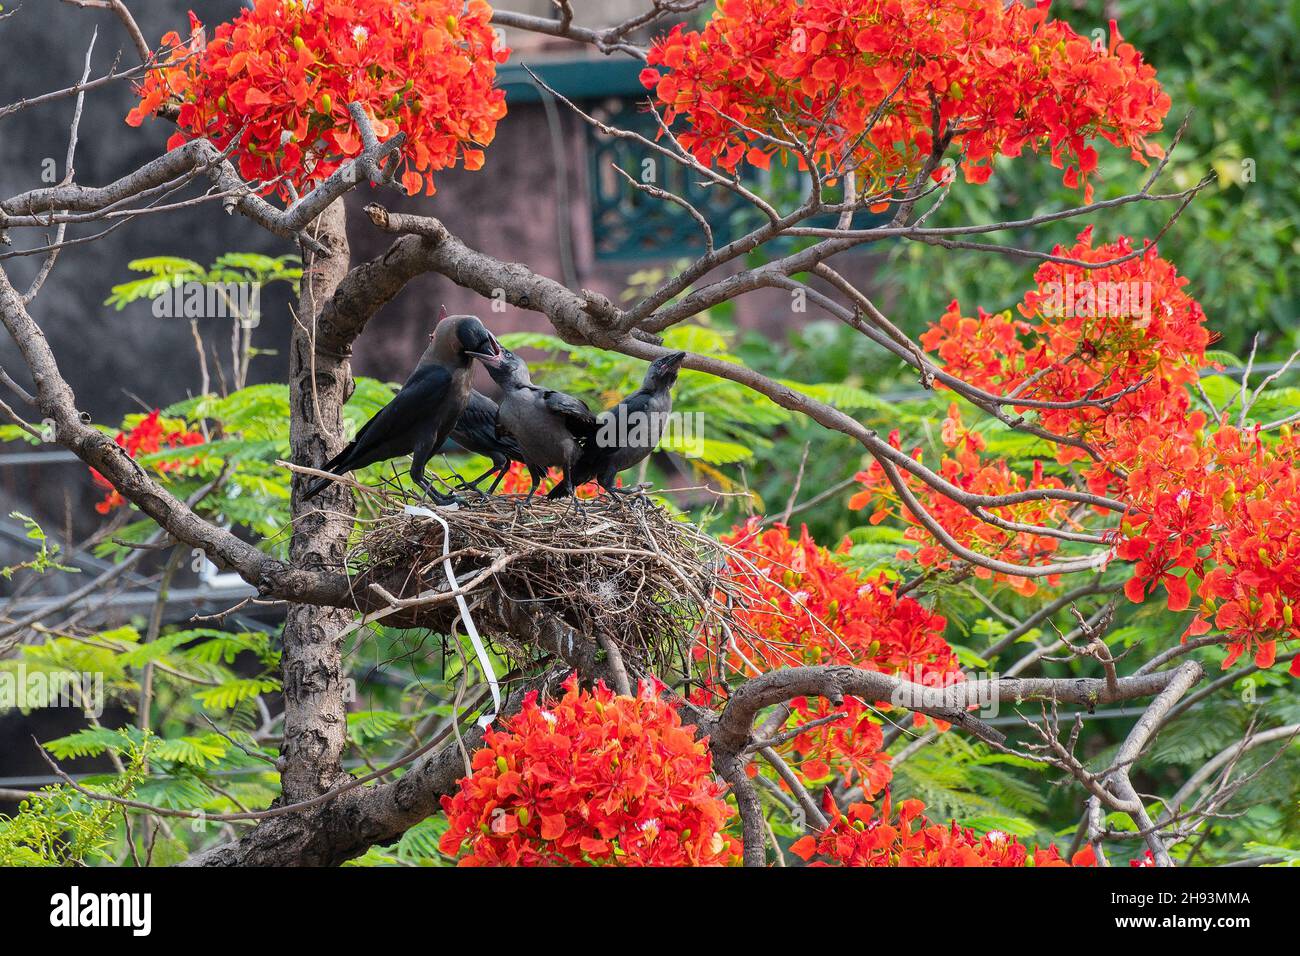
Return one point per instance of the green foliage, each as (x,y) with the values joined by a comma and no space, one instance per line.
(417,847)
(58,826)
(958,778)
(248,433)
(164,273)
(47,552)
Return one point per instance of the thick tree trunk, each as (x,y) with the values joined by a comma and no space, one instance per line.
(315,725)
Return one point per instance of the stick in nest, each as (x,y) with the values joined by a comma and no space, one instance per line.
(636,574)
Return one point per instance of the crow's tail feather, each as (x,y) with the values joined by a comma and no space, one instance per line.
(337,465)
(315,488)
(579,478)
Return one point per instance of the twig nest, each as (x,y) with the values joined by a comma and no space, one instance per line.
(622,570)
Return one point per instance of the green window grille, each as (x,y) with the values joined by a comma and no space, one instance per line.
(627,223)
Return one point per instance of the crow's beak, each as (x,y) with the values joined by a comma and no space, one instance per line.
(491,358)
(675,360)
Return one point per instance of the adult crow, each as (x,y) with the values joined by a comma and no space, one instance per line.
(422,414)
(549,426)
(627,433)
(478,430)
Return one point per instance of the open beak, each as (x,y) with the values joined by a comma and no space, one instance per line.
(491,358)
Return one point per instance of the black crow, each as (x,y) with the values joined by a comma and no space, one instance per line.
(549,426)
(477,430)
(627,433)
(421,416)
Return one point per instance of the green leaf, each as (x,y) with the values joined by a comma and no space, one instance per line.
(233,692)
(1015,826)
(90,742)
(192,751)
(373,724)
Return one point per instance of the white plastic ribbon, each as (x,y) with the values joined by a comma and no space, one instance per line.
(480,651)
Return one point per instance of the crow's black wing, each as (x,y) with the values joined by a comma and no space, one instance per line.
(477,425)
(577,416)
(596,457)
(393,429)
(479,431)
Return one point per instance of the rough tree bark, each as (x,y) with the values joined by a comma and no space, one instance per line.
(320,381)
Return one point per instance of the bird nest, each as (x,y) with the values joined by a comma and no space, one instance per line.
(622,570)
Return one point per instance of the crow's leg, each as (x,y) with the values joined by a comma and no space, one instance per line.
(537,474)
(501,473)
(418,460)
(474,482)
(570,489)
(499,466)
(460,482)
(437,497)
(620,495)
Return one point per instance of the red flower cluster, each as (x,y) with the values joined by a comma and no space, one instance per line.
(149,435)
(277,80)
(1002,76)
(802,606)
(592,779)
(517,481)
(861,837)
(967,470)
(1225,508)
(1219,507)
(1128,329)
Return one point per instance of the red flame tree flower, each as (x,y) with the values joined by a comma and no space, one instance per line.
(275,83)
(802,605)
(874,84)
(965,468)
(1210,506)
(866,837)
(148,435)
(593,779)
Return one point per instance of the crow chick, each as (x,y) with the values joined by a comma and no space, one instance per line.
(478,430)
(627,433)
(422,414)
(549,426)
